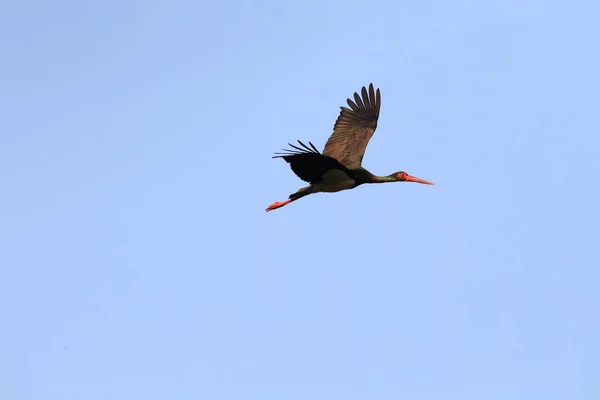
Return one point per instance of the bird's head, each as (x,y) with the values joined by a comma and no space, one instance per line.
(404,177)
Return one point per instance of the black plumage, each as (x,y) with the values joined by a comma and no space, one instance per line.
(309,164)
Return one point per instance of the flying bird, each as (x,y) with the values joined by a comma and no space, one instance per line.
(339,166)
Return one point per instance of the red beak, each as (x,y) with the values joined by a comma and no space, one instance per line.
(409,178)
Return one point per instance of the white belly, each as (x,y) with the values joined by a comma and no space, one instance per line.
(334,181)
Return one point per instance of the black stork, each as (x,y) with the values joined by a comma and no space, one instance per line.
(339,166)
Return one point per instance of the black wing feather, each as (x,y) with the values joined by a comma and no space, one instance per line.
(308,164)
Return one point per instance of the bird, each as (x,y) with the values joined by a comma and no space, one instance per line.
(339,166)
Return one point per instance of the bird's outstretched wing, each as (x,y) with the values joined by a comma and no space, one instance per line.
(354,128)
(308,164)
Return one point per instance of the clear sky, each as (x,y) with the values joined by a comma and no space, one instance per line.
(136,259)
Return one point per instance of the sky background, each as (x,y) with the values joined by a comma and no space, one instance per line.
(136,259)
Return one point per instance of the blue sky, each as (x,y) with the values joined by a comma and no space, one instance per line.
(135,166)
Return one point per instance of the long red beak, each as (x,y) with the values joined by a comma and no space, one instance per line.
(417,180)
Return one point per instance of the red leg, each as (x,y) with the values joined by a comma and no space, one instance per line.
(277,205)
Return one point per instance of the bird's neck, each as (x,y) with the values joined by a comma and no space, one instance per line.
(383,179)
(363,176)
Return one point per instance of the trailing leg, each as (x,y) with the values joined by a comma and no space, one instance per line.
(293,197)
